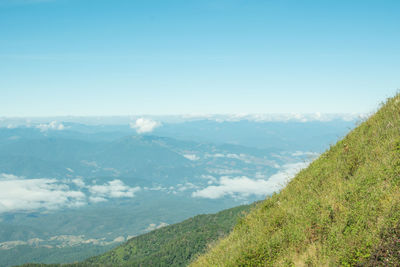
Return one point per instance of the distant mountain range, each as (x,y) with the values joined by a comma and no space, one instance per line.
(72,187)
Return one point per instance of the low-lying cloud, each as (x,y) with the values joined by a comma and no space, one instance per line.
(305,153)
(191,157)
(32,194)
(20,194)
(54,125)
(154,226)
(113,189)
(248,159)
(143,125)
(243,186)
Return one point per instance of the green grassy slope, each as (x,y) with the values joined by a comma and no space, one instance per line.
(173,245)
(343,210)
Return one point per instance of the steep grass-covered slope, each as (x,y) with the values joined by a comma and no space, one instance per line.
(344,209)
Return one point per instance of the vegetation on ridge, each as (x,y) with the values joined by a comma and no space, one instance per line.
(172,245)
(338,211)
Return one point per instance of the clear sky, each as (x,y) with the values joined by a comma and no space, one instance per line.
(122,57)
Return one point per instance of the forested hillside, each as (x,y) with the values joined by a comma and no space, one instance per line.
(172,245)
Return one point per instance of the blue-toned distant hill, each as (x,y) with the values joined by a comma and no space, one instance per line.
(290,135)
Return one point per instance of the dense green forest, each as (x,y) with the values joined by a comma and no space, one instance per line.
(173,245)
(343,210)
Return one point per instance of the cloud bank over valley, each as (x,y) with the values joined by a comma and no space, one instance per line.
(20,194)
(242,186)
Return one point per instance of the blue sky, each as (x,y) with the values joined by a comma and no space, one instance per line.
(122,57)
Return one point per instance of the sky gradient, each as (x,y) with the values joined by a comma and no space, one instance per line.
(120,57)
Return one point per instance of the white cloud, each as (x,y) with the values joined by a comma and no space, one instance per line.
(79,182)
(143,125)
(274,117)
(229,186)
(28,194)
(307,153)
(244,186)
(19,194)
(192,157)
(211,178)
(6,176)
(54,125)
(260,175)
(186,186)
(154,226)
(112,189)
